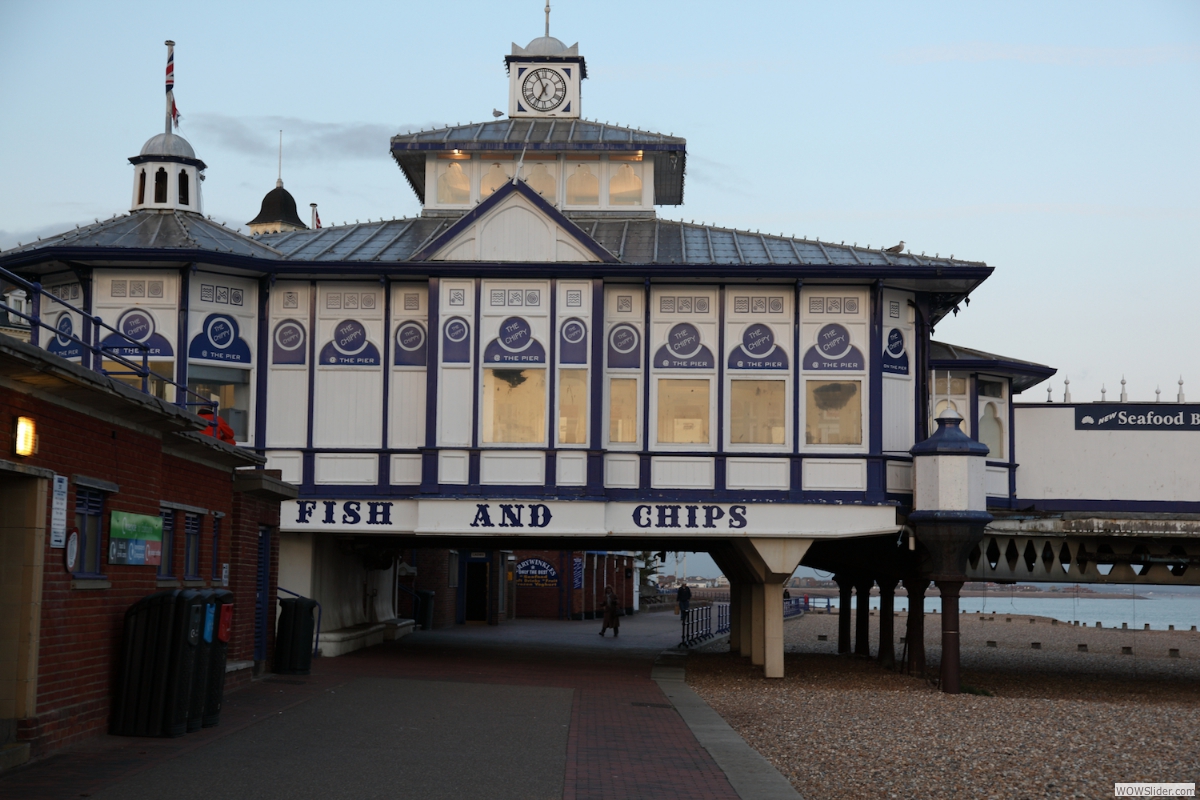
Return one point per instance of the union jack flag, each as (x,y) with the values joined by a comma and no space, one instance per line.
(172,111)
(317,217)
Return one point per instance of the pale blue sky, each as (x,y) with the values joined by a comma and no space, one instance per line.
(1056,141)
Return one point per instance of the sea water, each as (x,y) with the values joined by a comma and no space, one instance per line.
(1159,610)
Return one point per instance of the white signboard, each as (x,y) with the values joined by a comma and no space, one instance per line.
(578,518)
(58,513)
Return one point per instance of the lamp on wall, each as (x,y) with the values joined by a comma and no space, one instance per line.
(25,442)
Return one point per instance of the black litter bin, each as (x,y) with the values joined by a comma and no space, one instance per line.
(187,632)
(203,660)
(142,681)
(294,636)
(218,651)
(424,610)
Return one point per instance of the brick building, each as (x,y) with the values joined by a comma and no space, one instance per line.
(107,454)
(567,584)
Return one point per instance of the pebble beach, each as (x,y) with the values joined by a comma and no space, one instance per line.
(1048,722)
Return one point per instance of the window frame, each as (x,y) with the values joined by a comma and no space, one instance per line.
(193,531)
(858,325)
(781,378)
(101,497)
(165,570)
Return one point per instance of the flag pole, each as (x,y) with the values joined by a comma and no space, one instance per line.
(170,84)
(279,178)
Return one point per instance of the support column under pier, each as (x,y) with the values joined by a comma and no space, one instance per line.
(771,561)
(758,621)
(862,632)
(887,622)
(845,590)
(950,651)
(735,616)
(746,612)
(914,632)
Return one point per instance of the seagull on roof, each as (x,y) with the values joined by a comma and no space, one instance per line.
(897,249)
(497,113)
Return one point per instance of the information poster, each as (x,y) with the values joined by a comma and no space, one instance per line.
(134,539)
(534,573)
(58,513)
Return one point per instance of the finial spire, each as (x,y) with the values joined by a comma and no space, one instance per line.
(547,19)
(279,179)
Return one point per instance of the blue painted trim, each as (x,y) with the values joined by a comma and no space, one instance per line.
(476,366)
(308,470)
(647,372)
(923,377)
(433,366)
(596,443)
(385,462)
(973,405)
(181,331)
(517,187)
(721,364)
(876,476)
(1012,447)
(1134,506)
(261,366)
(552,391)
(533,147)
(191,162)
(794,378)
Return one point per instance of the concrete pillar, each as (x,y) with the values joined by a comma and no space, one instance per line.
(845,588)
(746,612)
(887,627)
(862,632)
(950,651)
(758,621)
(735,617)
(915,631)
(773,629)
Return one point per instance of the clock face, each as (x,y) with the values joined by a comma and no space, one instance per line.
(544,89)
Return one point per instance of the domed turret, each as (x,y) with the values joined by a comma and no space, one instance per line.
(278,213)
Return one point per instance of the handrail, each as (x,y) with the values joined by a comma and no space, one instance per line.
(317,637)
(98,351)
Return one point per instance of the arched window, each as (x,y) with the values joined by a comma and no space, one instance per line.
(991,431)
(495,177)
(453,186)
(183,188)
(160,186)
(583,188)
(142,188)
(625,188)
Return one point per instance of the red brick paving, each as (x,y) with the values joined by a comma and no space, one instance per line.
(614,749)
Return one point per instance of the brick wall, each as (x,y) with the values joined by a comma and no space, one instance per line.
(545,602)
(433,576)
(81,628)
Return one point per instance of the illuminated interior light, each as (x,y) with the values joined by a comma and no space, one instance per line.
(26,443)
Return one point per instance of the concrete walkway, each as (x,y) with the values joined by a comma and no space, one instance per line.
(528,709)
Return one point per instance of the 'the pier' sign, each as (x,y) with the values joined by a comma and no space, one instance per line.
(1137,417)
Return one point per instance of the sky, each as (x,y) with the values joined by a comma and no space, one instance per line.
(1055,141)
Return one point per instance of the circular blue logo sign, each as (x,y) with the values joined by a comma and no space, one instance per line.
(65,328)
(515,335)
(350,337)
(220,332)
(137,325)
(289,335)
(623,338)
(573,331)
(683,340)
(410,336)
(758,340)
(457,329)
(895,343)
(833,341)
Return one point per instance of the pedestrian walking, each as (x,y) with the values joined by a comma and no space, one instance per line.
(612,607)
(684,596)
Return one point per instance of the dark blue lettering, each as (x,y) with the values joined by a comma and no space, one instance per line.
(691,523)
(482,520)
(330,505)
(379,513)
(668,516)
(305,510)
(539,515)
(737,516)
(641,516)
(351,515)
(509,519)
(711,515)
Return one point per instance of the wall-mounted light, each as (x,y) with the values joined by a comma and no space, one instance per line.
(26,439)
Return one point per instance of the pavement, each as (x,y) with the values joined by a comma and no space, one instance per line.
(526,709)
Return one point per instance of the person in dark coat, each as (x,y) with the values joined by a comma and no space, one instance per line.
(612,607)
(684,596)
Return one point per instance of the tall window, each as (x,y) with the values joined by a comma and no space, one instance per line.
(191,546)
(622,410)
(514,406)
(583,187)
(165,565)
(572,406)
(160,186)
(991,430)
(89,519)
(625,187)
(216,548)
(543,180)
(453,185)
(757,412)
(833,412)
(231,389)
(183,188)
(683,410)
(494,176)
(142,188)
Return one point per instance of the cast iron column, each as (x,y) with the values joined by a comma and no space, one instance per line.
(950,652)
(887,627)
(862,632)
(845,587)
(915,630)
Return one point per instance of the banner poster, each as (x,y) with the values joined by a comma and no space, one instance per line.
(134,539)
(578,583)
(534,573)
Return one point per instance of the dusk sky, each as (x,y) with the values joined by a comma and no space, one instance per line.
(1055,141)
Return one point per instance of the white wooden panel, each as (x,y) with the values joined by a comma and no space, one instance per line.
(348,409)
(346,468)
(758,473)
(996,482)
(406,470)
(835,474)
(290,464)
(571,469)
(899,477)
(897,414)
(287,407)
(682,472)
(406,423)
(454,418)
(512,469)
(454,466)
(621,472)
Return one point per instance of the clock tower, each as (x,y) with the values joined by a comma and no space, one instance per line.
(544,78)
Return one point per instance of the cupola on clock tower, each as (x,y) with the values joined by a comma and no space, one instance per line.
(544,78)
